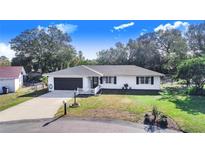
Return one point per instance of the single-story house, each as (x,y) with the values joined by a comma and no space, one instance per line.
(90,79)
(11,77)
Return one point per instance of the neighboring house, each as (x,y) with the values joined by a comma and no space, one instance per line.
(90,79)
(11,77)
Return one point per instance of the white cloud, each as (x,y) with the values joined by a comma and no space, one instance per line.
(177,25)
(142,33)
(124,26)
(65,28)
(68,28)
(5,50)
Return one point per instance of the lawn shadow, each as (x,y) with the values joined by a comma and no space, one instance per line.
(191,104)
(35,93)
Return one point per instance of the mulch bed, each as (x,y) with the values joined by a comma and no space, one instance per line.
(171,123)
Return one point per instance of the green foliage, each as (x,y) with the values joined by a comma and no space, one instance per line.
(44,79)
(117,55)
(193,71)
(22,95)
(173,48)
(196,38)
(42,50)
(4,61)
(161,51)
(143,52)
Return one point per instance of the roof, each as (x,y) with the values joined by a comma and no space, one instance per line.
(11,72)
(75,71)
(105,70)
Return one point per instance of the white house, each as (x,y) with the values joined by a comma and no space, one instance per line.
(90,79)
(11,77)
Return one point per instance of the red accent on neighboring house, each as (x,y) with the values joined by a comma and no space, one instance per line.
(10,71)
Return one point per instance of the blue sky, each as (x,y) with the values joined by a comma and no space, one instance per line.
(89,36)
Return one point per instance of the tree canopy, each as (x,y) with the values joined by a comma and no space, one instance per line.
(196,39)
(193,71)
(4,61)
(160,51)
(43,50)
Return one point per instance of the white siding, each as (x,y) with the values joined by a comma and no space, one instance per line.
(121,80)
(50,83)
(17,84)
(86,83)
(21,80)
(12,84)
(131,81)
(9,83)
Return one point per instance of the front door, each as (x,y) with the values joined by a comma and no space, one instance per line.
(95,82)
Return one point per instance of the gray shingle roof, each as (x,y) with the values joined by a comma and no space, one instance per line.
(112,70)
(74,71)
(105,70)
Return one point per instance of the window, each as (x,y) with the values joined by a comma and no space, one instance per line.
(142,80)
(110,79)
(147,79)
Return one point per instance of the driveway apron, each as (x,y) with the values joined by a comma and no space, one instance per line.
(44,106)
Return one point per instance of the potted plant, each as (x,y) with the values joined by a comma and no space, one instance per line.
(126,86)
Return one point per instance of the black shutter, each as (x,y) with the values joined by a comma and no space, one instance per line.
(101,81)
(152,80)
(137,80)
(115,80)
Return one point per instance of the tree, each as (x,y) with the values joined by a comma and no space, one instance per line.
(196,38)
(143,52)
(43,50)
(79,59)
(172,47)
(4,61)
(117,55)
(193,71)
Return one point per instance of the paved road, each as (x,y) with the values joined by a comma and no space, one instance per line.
(67,125)
(44,106)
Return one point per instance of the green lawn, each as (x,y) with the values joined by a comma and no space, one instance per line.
(187,111)
(20,96)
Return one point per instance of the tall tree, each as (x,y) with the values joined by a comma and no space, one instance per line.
(172,47)
(116,55)
(4,61)
(196,38)
(143,52)
(43,49)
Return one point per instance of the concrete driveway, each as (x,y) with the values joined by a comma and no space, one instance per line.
(75,125)
(44,106)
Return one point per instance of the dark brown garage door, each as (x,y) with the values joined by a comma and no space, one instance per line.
(68,83)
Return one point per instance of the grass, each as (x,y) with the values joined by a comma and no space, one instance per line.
(22,95)
(187,111)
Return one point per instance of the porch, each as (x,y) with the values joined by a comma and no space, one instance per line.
(91,86)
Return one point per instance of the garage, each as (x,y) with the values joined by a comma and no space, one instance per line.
(67,83)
